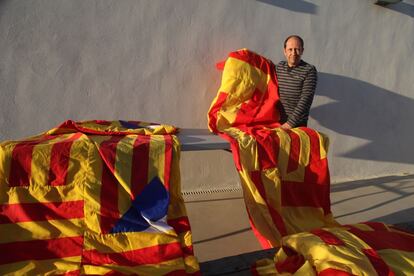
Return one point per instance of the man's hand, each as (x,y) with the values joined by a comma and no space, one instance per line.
(286,126)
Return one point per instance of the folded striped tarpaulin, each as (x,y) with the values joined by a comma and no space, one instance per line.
(94,197)
(369,248)
(284,173)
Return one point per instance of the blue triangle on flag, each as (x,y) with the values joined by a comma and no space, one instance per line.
(151,203)
(129,125)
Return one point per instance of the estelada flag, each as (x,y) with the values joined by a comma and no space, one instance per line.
(94,197)
(369,248)
(284,173)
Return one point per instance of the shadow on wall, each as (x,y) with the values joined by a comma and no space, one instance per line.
(402,7)
(293,5)
(369,112)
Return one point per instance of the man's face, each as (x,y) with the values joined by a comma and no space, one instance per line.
(293,51)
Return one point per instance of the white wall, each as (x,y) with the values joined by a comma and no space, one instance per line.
(154,60)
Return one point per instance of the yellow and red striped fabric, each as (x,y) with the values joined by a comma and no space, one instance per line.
(285,179)
(369,248)
(284,173)
(94,198)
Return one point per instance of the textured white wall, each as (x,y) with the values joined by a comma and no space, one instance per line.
(154,60)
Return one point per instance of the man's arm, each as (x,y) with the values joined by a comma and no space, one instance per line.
(306,98)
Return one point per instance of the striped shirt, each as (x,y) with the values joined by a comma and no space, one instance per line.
(296,90)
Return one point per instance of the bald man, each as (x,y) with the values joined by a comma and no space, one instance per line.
(297,82)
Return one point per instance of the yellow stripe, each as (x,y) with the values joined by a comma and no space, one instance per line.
(78,163)
(284,151)
(299,219)
(92,184)
(258,210)
(272,185)
(266,267)
(218,112)
(185,238)
(239,80)
(248,153)
(41,194)
(123,169)
(400,262)
(39,191)
(156,162)
(6,150)
(324,256)
(363,227)
(304,147)
(323,144)
(33,230)
(191,264)
(150,270)
(120,242)
(41,160)
(43,267)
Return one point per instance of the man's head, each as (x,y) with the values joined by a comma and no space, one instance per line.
(293,50)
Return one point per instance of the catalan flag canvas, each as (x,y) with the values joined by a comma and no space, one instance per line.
(284,173)
(369,248)
(94,198)
(285,179)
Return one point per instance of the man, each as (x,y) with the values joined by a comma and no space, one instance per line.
(297,82)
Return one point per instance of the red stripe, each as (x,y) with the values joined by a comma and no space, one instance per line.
(20,168)
(249,109)
(148,255)
(267,148)
(168,157)
(109,190)
(270,106)
(334,272)
(253,270)
(41,249)
(59,161)
(276,217)
(102,122)
(291,264)
(376,225)
(294,153)
(379,240)
(259,109)
(187,250)
(214,109)
(23,212)
(314,191)
(254,60)
(299,194)
(327,237)
(317,171)
(139,174)
(180,225)
(378,263)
